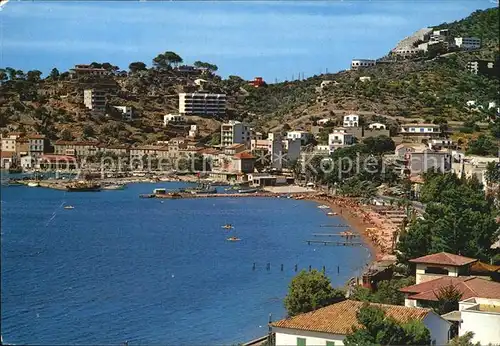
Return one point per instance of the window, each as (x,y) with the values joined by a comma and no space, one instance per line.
(301,342)
(330,343)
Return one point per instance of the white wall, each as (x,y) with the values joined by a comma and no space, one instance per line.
(421,276)
(485,325)
(288,337)
(438,327)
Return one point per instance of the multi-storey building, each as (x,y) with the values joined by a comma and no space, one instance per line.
(94,99)
(361,63)
(38,145)
(235,132)
(87,70)
(468,42)
(304,136)
(127,112)
(73,148)
(173,119)
(201,103)
(9,143)
(339,138)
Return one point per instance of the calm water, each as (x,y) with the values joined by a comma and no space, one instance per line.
(120,268)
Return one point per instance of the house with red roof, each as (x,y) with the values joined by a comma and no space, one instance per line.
(434,266)
(424,293)
(328,326)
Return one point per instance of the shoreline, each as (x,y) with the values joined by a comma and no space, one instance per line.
(354,221)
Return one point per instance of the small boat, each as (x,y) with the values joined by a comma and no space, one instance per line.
(323,206)
(69,207)
(233,239)
(331,213)
(33,184)
(228,226)
(247,190)
(114,187)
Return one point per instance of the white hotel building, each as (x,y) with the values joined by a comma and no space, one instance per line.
(361,63)
(235,132)
(468,42)
(202,104)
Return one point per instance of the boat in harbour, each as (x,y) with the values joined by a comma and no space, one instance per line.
(233,239)
(228,226)
(323,206)
(69,207)
(114,187)
(33,184)
(248,190)
(83,186)
(200,188)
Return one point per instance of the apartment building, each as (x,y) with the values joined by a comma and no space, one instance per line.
(351,120)
(235,132)
(203,104)
(8,143)
(127,112)
(73,148)
(357,64)
(95,100)
(37,145)
(304,136)
(420,130)
(468,43)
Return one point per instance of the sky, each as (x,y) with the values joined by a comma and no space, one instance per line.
(273,39)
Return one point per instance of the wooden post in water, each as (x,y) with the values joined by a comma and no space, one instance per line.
(281,267)
(253,268)
(338,270)
(309,267)
(268,266)
(323,269)
(295,268)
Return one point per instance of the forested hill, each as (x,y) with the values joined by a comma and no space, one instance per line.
(481,23)
(430,88)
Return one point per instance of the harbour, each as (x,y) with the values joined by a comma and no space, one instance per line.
(155,262)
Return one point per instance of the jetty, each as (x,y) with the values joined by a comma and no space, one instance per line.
(335,234)
(179,195)
(334,225)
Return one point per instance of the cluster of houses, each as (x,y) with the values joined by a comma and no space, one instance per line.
(478,310)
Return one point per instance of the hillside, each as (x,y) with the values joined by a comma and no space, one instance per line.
(423,89)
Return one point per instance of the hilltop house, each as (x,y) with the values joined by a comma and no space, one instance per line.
(330,325)
(420,131)
(351,120)
(356,64)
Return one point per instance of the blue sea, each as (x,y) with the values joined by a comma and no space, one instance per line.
(119,268)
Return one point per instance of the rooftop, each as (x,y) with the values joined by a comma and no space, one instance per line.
(244,155)
(421,125)
(469,286)
(340,318)
(444,258)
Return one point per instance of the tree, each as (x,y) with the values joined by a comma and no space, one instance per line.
(165,60)
(379,145)
(464,340)
(310,291)
(493,173)
(387,292)
(208,66)
(3,75)
(33,76)
(88,131)
(66,135)
(379,329)
(54,74)
(448,298)
(11,73)
(457,219)
(482,146)
(137,66)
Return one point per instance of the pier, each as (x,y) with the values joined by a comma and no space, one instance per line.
(335,235)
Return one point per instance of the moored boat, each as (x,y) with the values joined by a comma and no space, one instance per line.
(228,226)
(33,184)
(83,186)
(69,207)
(114,187)
(247,190)
(233,239)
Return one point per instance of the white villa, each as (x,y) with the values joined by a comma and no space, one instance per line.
(173,119)
(351,120)
(377,126)
(330,325)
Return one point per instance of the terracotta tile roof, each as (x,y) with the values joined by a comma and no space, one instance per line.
(210,151)
(340,318)
(469,286)
(235,146)
(444,258)
(35,136)
(244,155)
(480,267)
(81,143)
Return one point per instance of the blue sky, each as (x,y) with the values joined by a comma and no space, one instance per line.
(275,39)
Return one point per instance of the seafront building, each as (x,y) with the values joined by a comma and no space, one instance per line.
(202,104)
(328,326)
